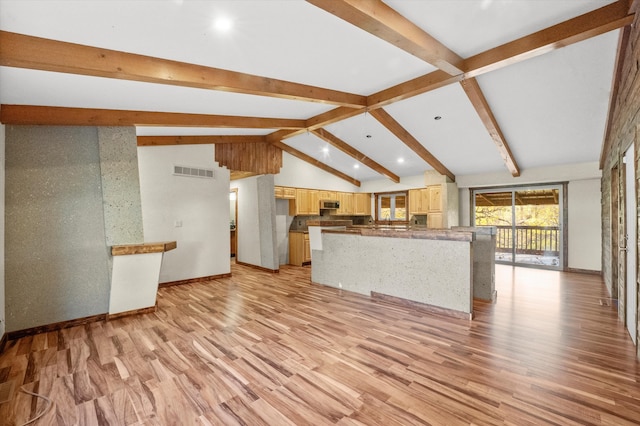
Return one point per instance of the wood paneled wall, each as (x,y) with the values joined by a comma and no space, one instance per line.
(259,158)
(622,130)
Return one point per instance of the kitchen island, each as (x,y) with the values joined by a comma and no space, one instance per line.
(427,268)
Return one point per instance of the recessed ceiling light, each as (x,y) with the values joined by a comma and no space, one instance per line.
(400,160)
(356,166)
(437,117)
(325,149)
(223,24)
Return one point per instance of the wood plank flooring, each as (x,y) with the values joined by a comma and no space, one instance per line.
(272,349)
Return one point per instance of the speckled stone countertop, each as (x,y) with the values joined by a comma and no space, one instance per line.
(403,232)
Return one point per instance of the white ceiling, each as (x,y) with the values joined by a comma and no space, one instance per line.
(552,109)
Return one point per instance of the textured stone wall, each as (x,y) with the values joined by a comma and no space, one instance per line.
(56,256)
(120,185)
(623,130)
(71,192)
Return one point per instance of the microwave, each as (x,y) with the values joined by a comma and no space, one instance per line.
(329,204)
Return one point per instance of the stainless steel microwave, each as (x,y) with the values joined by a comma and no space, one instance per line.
(329,204)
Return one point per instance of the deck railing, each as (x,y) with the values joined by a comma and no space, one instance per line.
(529,239)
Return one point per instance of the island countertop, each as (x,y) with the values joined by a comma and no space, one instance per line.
(430,269)
(404,232)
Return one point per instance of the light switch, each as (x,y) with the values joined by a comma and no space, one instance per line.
(178,224)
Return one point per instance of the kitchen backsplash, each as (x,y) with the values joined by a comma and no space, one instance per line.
(299,223)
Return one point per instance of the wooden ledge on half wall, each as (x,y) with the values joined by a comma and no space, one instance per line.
(143,248)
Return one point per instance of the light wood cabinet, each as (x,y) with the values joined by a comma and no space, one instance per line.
(346,203)
(327,195)
(362,203)
(306,203)
(434,220)
(418,201)
(299,248)
(289,193)
(435,198)
(284,192)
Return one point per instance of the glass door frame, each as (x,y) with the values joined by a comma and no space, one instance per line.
(562,211)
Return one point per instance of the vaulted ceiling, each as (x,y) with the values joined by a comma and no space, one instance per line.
(362,89)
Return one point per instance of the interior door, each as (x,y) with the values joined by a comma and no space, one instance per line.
(631,220)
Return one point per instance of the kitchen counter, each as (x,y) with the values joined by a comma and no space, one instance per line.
(430,269)
(405,232)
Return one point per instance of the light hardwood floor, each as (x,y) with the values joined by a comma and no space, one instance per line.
(272,349)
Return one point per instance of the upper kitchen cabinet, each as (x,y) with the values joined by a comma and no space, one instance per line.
(418,201)
(284,192)
(442,210)
(306,203)
(346,203)
(362,204)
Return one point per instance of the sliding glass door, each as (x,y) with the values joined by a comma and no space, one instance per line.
(528,222)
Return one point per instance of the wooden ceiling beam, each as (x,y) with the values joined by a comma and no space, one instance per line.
(198,140)
(613,16)
(414,87)
(479,102)
(572,31)
(380,20)
(23,51)
(383,22)
(319,164)
(583,27)
(354,153)
(401,133)
(62,116)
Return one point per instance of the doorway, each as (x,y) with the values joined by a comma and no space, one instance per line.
(233,222)
(615,221)
(631,220)
(529,222)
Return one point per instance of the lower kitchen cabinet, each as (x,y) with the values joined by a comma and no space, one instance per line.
(299,248)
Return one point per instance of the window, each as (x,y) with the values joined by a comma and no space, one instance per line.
(391,207)
(528,220)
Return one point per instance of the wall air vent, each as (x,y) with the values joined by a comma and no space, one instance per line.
(193,172)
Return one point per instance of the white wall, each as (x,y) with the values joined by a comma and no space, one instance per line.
(300,174)
(200,205)
(583,192)
(256,227)
(2,309)
(585,250)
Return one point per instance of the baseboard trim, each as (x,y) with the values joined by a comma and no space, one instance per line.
(584,271)
(12,335)
(261,268)
(193,280)
(149,310)
(424,307)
